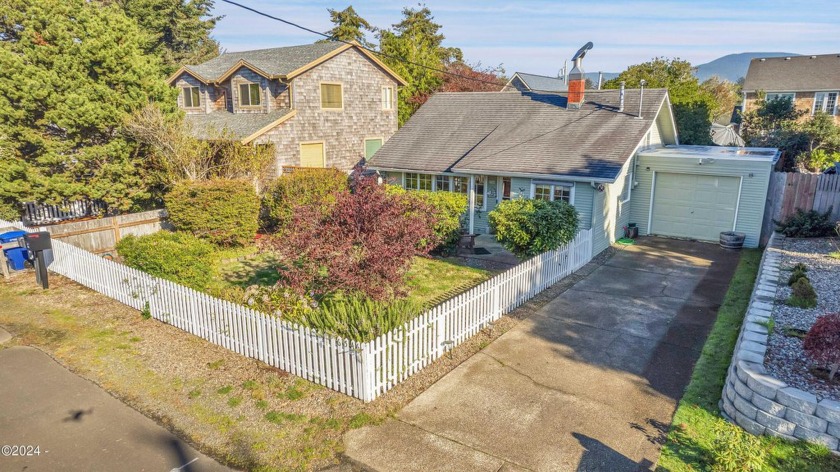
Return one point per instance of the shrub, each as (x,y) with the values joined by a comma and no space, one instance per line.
(822,343)
(797,273)
(310,187)
(179,257)
(806,224)
(9,211)
(803,294)
(365,244)
(223,212)
(449,209)
(735,450)
(530,227)
(359,318)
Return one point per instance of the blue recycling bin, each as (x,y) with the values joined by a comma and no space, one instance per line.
(16,256)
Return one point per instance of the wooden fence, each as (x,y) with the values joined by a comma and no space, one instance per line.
(101,235)
(362,370)
(790,191)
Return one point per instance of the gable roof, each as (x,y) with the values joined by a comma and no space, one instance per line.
(244,127)
(794,74)
(540,83)
(275,63)
(522,133)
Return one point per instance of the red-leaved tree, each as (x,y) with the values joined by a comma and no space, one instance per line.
(364,245)
(822,343)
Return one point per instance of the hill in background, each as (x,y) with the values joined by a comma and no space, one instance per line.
(733,66)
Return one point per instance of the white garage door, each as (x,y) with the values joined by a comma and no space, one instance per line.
(694,206)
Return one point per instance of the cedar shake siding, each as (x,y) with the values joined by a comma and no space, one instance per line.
(803,101)
(343,131)
(293,106)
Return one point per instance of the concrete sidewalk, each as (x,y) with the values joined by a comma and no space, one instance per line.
(77,425)
(590,382)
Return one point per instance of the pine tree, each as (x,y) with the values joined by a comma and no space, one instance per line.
(180,28)
(417,41)
(349,26)
(70,72)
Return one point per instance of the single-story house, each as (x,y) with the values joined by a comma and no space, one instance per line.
(613,154)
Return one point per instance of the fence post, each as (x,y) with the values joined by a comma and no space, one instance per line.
(368,374)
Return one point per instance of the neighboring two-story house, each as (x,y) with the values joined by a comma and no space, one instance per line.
(320,105)
(811,82)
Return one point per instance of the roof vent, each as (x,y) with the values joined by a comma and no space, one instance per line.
(762,59)
(813,57)
(787,58)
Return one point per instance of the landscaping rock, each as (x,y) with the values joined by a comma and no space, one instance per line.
(815,437)
(767,405)
(765,385)
(829,410)
(806,421)
(742,390)
(775,424)
(755,337)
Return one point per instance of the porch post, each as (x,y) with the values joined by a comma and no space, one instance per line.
(472,204)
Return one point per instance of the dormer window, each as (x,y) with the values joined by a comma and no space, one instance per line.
(249,95)
(192,97)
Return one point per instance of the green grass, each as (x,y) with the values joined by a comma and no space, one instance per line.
(431,281)
(224,390)
(690,444)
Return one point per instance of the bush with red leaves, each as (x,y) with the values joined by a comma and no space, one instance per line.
(822,343)
(365,244)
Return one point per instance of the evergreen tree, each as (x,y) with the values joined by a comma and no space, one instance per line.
(349,26)
(70,72)
(693,106)
(416,39)
(180,28)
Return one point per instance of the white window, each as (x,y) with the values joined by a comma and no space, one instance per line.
(443,183)
(418,181)
(776,96)
(191,97)
(553,191)
(825,102)
(480,186)
(249,95)
(387,98)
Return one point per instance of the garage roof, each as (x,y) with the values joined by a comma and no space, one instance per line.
(756,154)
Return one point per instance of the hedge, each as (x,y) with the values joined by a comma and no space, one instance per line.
(530,227)
(179,257)
(450,208)
(316,187)
(224,212)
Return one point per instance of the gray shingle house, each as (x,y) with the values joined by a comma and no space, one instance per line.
(617,162)
(539,83)
(811,82)
(319,105)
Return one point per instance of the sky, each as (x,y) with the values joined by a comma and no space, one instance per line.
(538,36)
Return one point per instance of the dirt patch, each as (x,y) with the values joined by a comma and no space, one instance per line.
(240,411)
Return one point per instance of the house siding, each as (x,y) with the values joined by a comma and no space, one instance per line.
(247,76)
(753,190)
(342,131)
(207,94)
(803,101)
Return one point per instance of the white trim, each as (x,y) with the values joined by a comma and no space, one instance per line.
(570,185)
(738,203)
(525,175)
(833,111)
(792,99)
(391,106)
(650,209)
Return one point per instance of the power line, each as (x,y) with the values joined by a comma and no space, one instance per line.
(378,53)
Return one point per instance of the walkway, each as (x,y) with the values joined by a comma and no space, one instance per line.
(590,382)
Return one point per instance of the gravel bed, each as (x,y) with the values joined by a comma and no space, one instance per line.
(785,358)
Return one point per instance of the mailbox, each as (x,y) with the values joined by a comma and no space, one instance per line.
(37,242)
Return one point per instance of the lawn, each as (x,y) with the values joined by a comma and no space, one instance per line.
(429,281)
(691,444)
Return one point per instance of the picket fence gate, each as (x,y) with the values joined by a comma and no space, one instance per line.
(361,370)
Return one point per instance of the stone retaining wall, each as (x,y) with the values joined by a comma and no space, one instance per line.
(762,404)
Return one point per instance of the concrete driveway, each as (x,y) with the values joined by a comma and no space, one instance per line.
(590,382)
(77,426)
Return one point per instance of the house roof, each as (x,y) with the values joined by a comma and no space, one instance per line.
(521,133)
(541,83)
(244,127)
(284,62)
(794,74)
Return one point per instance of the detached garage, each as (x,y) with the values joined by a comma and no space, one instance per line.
(697,192)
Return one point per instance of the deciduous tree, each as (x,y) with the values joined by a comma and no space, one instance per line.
(464,77)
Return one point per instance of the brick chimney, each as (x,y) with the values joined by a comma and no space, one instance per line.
(577,79)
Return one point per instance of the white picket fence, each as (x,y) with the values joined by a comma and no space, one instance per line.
(362,370)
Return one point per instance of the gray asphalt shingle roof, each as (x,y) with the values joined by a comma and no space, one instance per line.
(794,74)
(274,61)
(224,124)
(542,83)
(521,133)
